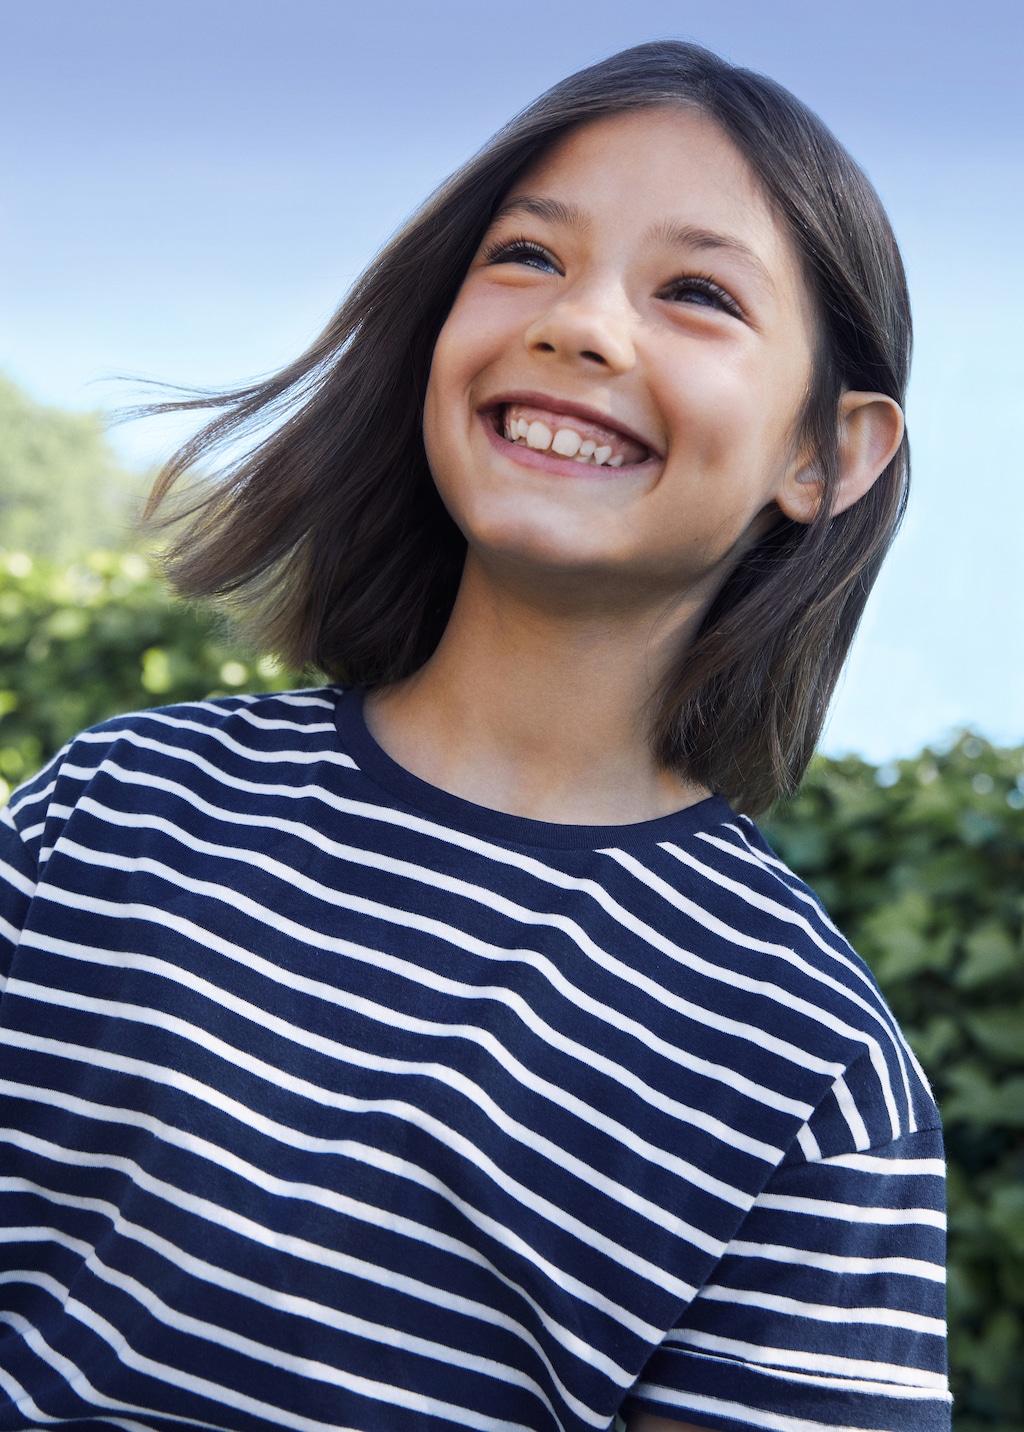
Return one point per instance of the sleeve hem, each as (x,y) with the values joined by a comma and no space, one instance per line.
(722,1393)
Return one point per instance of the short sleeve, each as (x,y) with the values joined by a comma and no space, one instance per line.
(23,827)
(827,1309)
(17,885)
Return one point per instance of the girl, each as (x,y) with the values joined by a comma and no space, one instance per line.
(439,1048)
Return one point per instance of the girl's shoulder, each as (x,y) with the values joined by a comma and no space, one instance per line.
(221,739)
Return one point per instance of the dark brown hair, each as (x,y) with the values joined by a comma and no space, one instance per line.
(328,539)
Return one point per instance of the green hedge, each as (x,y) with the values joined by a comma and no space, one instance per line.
(82,642)
(921,864)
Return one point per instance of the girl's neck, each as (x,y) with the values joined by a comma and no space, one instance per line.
(537,710)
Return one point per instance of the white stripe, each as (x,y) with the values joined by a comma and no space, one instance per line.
(870,1163)
(778,872)
(851,1114)
(777,869)
(874,1008)
(130,1426)
(418,974)
(294,1306)
(851,1212)
(777,910)
(823,1313)
(762,1037)
(281,1243)
(809,1146)
(252,1118)
(18,802)
(423,875)
(320,941)
(318,1254)
(781,874)
(765,988)
(72,1375)
(13,877)
(21,1398)
(277,1077)
(794,887)
(306,696)
(327,754)
(327,1198)
(229,1397)
(836,1262)
(322,1255)
(246,714)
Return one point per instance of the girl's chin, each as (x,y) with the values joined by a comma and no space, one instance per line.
(542,557)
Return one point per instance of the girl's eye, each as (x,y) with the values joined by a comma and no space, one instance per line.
(520,251)
(702,291)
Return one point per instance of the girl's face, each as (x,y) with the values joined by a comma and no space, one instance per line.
(614,396)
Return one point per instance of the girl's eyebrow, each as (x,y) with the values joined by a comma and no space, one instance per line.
(689,236)
(553,210)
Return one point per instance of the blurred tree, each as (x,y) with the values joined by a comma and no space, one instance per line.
(62,489)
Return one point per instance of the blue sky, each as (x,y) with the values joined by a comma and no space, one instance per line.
(188,186)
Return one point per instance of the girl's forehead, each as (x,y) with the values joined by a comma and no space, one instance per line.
(670,161)
(633,143)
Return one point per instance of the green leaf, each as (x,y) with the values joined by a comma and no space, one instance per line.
(989,953)
(999,1032)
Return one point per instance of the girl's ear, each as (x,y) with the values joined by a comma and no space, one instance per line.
(870,431)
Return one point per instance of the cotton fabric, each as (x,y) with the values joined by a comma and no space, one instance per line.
(330,1100)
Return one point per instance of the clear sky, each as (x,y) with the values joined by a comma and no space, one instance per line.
(188,186)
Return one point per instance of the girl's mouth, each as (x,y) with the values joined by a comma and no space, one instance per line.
(570,438)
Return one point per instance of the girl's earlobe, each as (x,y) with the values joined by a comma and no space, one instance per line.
(870,432)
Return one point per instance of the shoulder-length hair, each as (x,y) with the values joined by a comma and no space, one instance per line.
(327,537)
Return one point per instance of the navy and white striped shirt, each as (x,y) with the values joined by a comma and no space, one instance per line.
(332,1101)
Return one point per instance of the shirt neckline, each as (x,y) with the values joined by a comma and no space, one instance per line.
(453,811)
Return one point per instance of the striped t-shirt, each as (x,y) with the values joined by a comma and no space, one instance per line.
(332,1101)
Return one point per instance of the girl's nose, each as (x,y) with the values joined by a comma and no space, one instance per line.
(595,326)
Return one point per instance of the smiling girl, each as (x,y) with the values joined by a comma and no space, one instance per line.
(445,1047)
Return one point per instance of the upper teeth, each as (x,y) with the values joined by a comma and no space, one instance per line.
(566,442)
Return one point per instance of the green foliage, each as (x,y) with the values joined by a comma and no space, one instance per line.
(83,642)
(922,866)
(62,490)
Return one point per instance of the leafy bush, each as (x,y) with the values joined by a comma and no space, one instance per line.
(921,864)
(82,642)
